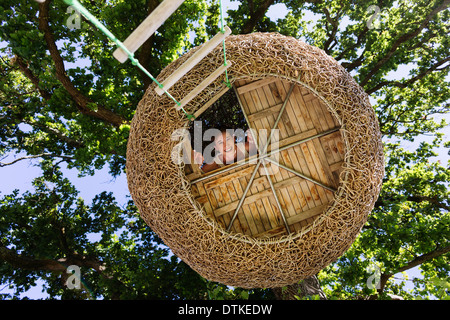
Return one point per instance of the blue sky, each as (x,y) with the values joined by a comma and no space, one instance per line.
(20,175)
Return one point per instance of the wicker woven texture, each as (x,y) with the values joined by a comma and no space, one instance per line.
(161,191)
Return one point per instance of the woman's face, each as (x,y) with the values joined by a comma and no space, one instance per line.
(224,143)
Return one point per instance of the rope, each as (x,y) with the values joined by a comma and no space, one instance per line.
(227,81)
(79,7)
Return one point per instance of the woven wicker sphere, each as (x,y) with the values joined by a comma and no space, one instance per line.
(162,192)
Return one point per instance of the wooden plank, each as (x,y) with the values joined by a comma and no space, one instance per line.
(265,112)
(206,82)
(257,218)
(240,221)
(193,176)
(220,203)
(332,136)
(294,116)
(298,164)
(248,200)
(314,117)
(306,214)
(327,151)
(295,138)
(274,222)
(249,108)
(234,196)
(229,177)
(212,199)
(273,98)
(261,102)
(227,199)
(305,162)
(319,174)
(316,163)
(341,148)
(240,185)
(285,118)
(144,31)
(207,204)
(247,210)
(201,199)
(260,206)
(336,166)
(316,105)
(193,60)
(225,194)
(301,166)
(333,149)
(256,84)
(323,162)
(302,112)
(286,192)
(275,232)
(329,117)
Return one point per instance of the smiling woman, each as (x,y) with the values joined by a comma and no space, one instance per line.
(219,135)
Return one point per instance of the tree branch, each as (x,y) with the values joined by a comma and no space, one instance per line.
(349,66)
(256,16)
(411,80)
(414,263)
(71,142)
(83,103)
(332,35)
(4,164)
(23,66)
(60,265)
(352,48)
(402,39)
(434,200)
(21,261)
(415,198)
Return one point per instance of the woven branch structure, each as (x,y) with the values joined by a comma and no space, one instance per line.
(163,196)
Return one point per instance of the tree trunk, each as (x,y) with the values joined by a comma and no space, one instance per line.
(307,287)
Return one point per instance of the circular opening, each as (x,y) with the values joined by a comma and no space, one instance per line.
(289,181)
(240,258)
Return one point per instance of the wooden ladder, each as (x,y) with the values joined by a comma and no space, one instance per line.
(149,26)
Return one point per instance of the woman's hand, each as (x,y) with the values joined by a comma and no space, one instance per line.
(198,158)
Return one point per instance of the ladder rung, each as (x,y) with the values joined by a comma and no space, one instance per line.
(193,60)
(147,28)
(191,95)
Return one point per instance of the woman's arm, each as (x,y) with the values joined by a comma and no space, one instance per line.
(210,167)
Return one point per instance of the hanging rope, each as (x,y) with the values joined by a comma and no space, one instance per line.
(79,7)
(222,29)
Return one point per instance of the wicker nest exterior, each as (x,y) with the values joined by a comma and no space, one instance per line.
(162,192)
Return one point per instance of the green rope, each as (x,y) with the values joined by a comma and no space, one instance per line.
(133,60)
(222,29)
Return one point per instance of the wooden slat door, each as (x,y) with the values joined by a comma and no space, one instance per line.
(301,201)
